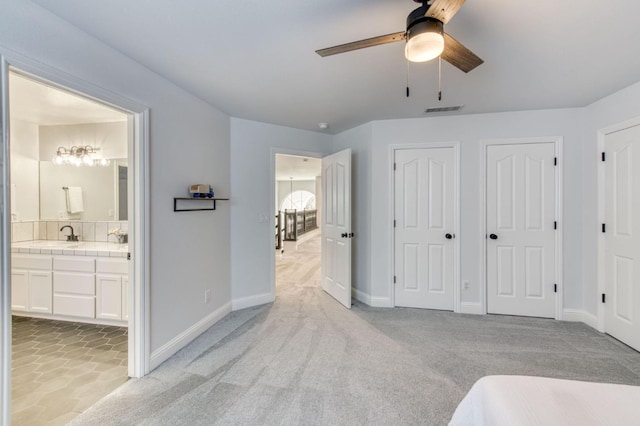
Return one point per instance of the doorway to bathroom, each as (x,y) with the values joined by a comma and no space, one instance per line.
(76,248)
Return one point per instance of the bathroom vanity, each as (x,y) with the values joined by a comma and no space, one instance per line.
(77,281)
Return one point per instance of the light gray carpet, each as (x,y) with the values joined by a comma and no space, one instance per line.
(307,360)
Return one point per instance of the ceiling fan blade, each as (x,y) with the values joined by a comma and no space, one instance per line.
(458,55)
(443,10)
(361,44)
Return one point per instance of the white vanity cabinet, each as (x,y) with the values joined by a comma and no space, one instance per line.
(74,286)
(70,286)
(31,283)
(111,288)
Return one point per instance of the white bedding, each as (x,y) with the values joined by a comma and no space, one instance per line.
(524,400)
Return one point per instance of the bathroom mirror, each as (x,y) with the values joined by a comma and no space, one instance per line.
(104,191)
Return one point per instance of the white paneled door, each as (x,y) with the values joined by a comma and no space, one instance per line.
(622,235)
(424,232)
(336,226)
(520,197)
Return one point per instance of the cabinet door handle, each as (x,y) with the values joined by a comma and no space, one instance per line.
(449,236)
(493,236)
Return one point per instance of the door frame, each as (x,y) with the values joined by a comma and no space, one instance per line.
(138,151)
(482,238)
(272,206)
(456,213)
(600,265)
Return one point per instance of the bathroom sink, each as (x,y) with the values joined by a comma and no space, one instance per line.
(56,244)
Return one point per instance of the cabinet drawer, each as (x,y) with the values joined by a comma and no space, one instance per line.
(74,264)
(72,305)
(112,266)
(31,262)
(84,284)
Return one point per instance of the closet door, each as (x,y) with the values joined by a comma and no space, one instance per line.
(520,196)
(622,235)
(424,239)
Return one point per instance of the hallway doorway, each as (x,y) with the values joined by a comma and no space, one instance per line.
(297,219)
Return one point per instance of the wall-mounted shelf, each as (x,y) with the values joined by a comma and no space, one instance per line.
(198,203)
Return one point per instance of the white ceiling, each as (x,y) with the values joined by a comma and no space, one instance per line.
(38,103)
(298,168)
(256,59)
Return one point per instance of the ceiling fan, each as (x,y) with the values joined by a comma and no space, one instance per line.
(425,37)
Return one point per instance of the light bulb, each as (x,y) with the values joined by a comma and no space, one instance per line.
(87,160)
(424,41)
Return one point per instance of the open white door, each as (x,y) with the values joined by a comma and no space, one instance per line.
(622,236)
(5,251)
(336,226)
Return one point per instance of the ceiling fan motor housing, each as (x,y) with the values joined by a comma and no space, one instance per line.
(418,17)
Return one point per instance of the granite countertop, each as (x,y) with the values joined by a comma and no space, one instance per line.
(71,248)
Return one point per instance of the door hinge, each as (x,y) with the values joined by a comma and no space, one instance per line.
(555,224)
(555,161)
(128,256)
(394,166)
(603,298)
(555,288)
(603,156)
(603,228)
(394,279)
(394,223)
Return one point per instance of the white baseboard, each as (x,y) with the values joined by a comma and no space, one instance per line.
(248,302)
(165,351)
(577,315)
(381,302)
(361,296)
(470,308)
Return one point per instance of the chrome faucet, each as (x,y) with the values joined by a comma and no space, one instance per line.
(72,237)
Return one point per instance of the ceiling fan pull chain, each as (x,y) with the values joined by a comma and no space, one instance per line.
(407,79)
(439,78)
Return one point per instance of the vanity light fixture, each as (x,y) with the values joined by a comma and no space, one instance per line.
(79,156)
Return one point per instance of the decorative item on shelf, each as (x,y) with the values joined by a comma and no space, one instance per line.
(201,198)
(120,235)
(201,190)
(79,156)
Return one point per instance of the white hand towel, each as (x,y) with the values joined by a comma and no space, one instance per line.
(74,200)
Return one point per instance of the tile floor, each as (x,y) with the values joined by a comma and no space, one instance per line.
(59,368)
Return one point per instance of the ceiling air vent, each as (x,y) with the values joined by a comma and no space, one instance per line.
(443,109)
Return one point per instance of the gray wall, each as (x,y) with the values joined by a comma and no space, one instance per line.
(189,143)
(371,147)
(283,189)
(252,186)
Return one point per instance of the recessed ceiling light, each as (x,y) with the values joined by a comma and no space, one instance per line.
(323,125)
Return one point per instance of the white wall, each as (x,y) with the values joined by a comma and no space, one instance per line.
(252,189)
(24,170)
(370,144)
(611,110)
(109,138)
(189,143)
(283,189)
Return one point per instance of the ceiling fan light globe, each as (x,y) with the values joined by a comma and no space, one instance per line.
(424,41)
